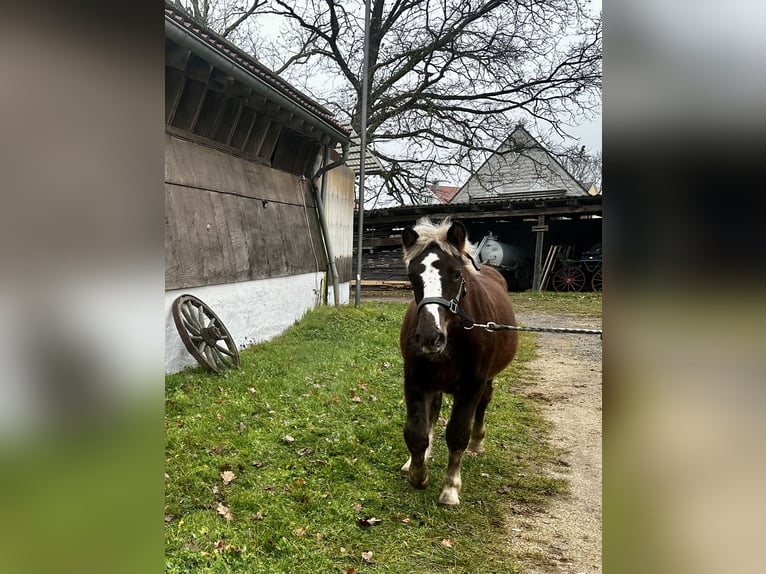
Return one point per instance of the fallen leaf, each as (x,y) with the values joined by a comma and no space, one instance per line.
(214,490)
(167,475)
(268,487)
(252,390)
(288,439)
(367,557)
(219,544)
(170,517)
(386,364)
(257,516)
(219,416)
(367,522)
(350,570)
(258,463)
(217,449)
(356,399)
(305,451)
(299,482)
(357,507)
(299,532)
(448,542)
(224,511)
(361,385)
(242,427)
(228,476)
(343,550)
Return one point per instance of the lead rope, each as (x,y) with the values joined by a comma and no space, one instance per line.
(492,326)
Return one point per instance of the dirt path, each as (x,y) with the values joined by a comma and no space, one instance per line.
(565,537)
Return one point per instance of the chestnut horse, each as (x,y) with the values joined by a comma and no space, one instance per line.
(441,355)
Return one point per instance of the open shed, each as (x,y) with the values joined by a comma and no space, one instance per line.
(257,203)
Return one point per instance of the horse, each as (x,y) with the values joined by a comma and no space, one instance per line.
(442,354)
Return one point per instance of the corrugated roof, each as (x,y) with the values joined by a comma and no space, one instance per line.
(372,165)
(250,64)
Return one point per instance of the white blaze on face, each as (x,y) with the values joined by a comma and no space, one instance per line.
(432,286)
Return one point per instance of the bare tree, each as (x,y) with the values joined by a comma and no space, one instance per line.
(584,166)
(448,78)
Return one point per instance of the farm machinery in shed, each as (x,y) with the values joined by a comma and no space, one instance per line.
(513,262)
(568,272)
(562,270)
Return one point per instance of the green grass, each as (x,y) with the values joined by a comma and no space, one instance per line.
(587,304)
(333,382)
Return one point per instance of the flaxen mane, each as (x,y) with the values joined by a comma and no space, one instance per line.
(430,232)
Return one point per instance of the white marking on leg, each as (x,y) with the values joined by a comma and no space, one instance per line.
(452,484)
(430,443)
(452,481)
(406,465)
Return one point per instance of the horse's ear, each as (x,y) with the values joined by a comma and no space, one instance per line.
(457,235)
(409,237)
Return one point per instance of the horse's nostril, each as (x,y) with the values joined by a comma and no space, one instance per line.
(439,340)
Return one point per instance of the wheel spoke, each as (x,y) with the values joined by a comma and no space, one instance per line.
(193,329)
(201,314)
(224,351)
(188,315)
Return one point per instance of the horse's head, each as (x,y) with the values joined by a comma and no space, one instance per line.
(434,255)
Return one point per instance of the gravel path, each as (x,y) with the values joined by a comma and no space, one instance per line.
(565,537)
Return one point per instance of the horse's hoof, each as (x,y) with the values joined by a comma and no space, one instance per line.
(417,481)
(449,497)
(475,447)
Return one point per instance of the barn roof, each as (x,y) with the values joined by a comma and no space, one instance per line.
(184,28)
(521,167)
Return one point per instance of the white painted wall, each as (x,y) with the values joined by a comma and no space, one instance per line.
(253,311)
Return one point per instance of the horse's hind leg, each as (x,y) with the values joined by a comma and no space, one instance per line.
(478,431)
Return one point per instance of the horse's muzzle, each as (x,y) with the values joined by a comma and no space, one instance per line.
(430,341)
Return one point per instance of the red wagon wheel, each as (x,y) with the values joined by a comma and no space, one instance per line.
(595,281)
(569,279)
(201,330)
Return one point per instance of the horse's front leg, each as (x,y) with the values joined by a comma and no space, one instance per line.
(458,435)
(417,431)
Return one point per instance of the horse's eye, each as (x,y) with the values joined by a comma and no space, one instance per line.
(457,276)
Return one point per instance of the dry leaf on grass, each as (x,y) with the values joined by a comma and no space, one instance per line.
(299,532)
(448,542)
(367,557)
(367,522)
(288,439)
(224,511)
(227,476)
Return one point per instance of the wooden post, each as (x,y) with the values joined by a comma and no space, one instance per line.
(540,229)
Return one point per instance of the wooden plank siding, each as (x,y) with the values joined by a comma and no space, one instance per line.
(217,228)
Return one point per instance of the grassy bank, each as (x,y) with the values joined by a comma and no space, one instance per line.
(282,465)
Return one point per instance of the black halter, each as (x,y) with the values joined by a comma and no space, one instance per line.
(452,304)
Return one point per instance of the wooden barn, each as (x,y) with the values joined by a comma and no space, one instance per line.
(258,206)
(528,216)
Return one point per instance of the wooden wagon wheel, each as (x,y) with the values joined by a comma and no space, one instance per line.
(569,279)
(201,330)
(595,281)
